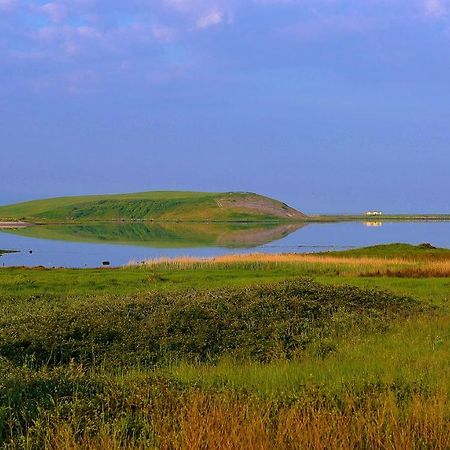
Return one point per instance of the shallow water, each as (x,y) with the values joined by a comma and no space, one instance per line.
(91,245)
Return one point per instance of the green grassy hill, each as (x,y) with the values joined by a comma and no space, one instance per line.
(158,205)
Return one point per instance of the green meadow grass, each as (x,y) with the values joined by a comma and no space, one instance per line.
(414,355)
(124,357)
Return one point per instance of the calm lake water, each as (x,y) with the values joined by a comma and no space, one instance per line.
(90,245)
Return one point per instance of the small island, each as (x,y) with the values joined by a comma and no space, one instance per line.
(154,206)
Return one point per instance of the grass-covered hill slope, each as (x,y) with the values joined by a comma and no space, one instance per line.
(158,205)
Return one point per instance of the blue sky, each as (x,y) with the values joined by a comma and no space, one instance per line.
(330,105)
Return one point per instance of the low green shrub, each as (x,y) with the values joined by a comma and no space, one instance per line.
(257,323)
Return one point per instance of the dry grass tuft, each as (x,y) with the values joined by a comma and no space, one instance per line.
(282,258)
(216,421)
(359,266)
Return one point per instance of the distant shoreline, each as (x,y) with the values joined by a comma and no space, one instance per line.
(384,218)
(10,224)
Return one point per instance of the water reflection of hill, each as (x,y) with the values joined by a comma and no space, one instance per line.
(165,235)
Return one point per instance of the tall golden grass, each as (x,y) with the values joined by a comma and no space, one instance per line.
(361,266)
(278,258)
(219,421)
(282,258)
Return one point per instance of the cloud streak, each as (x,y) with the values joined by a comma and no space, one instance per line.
(211,19)
(57,12)
(436,8)
(82,31)
(7,5)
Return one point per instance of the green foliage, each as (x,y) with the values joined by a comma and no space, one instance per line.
(258,323)
(25,393)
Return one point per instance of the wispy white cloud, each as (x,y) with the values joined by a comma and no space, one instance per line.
(57,12)
(436,8)
(331,25)
(210,19)
(204,14)
(163,33)
(182,5)
(80,26)
(61,41)
(8,5)
(82,31)
(189,6)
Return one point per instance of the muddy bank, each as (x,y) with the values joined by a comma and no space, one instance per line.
(4,252)
(9,225)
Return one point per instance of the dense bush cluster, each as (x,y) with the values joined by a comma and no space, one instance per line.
(258,323)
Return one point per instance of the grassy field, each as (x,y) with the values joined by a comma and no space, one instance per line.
(158,205)
(339,350)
